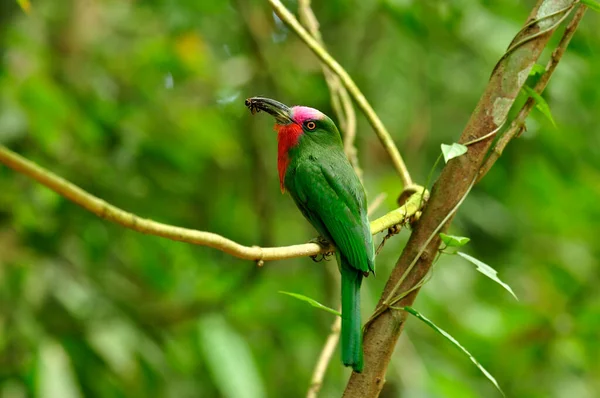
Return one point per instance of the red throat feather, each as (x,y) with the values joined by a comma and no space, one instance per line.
(287,137)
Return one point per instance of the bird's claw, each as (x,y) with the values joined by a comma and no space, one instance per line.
(393,230)
(317,258)
(325,244)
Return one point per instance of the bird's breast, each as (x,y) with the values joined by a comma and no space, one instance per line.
(288,137)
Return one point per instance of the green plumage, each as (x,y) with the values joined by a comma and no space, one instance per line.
(315,171)
(329,194)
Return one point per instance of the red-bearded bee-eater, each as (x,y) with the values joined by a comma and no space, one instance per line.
(317,174)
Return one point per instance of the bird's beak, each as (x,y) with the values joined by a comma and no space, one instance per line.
(281,112)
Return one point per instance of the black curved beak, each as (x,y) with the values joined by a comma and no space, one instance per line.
(281,112)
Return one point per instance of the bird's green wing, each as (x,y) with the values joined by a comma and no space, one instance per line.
(332,198)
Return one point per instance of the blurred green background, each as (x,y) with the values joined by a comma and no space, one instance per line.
(141,103)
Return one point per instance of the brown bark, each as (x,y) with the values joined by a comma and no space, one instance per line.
(453,184)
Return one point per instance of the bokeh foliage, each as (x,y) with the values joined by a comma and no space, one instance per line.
(141,103)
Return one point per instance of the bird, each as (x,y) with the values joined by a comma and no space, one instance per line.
(315,171)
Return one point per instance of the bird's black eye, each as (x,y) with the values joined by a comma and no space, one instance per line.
(311,125)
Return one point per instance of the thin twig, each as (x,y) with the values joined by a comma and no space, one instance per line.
(565,11)
(129,220)
(518,124)
(385,138)
(340,99)
(488,135)
(309,20)
(350,127)
(326,353)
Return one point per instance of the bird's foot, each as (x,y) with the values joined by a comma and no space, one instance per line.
(393,230)
(325,244)
(317,258)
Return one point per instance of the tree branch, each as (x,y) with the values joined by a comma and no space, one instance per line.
(385,138)
(129,220)
(518,124)
(340,99)
(326,353)
(452,186)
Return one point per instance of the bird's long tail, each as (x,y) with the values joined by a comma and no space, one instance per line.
(352,351)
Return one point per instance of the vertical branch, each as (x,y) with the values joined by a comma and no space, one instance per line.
(316,381)
(452,186)
(518,124)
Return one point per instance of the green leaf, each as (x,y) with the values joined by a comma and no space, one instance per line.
(229,359)
(594,5)
(312,302)
(454,241)
(537,70)
(540,103)
(453,151)
(449,337)
(487,271)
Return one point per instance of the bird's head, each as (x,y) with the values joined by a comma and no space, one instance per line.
(296,121)
(294,126)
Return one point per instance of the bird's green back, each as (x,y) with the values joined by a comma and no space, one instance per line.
(325,187)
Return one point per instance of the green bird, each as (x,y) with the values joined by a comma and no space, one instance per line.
(317,174)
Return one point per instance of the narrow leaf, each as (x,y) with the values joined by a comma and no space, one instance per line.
(449,337)
(594,5)
(487,271)
(537,70)
(25,5)
(312,302)
(540,103)
(454,241)
(453,151)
